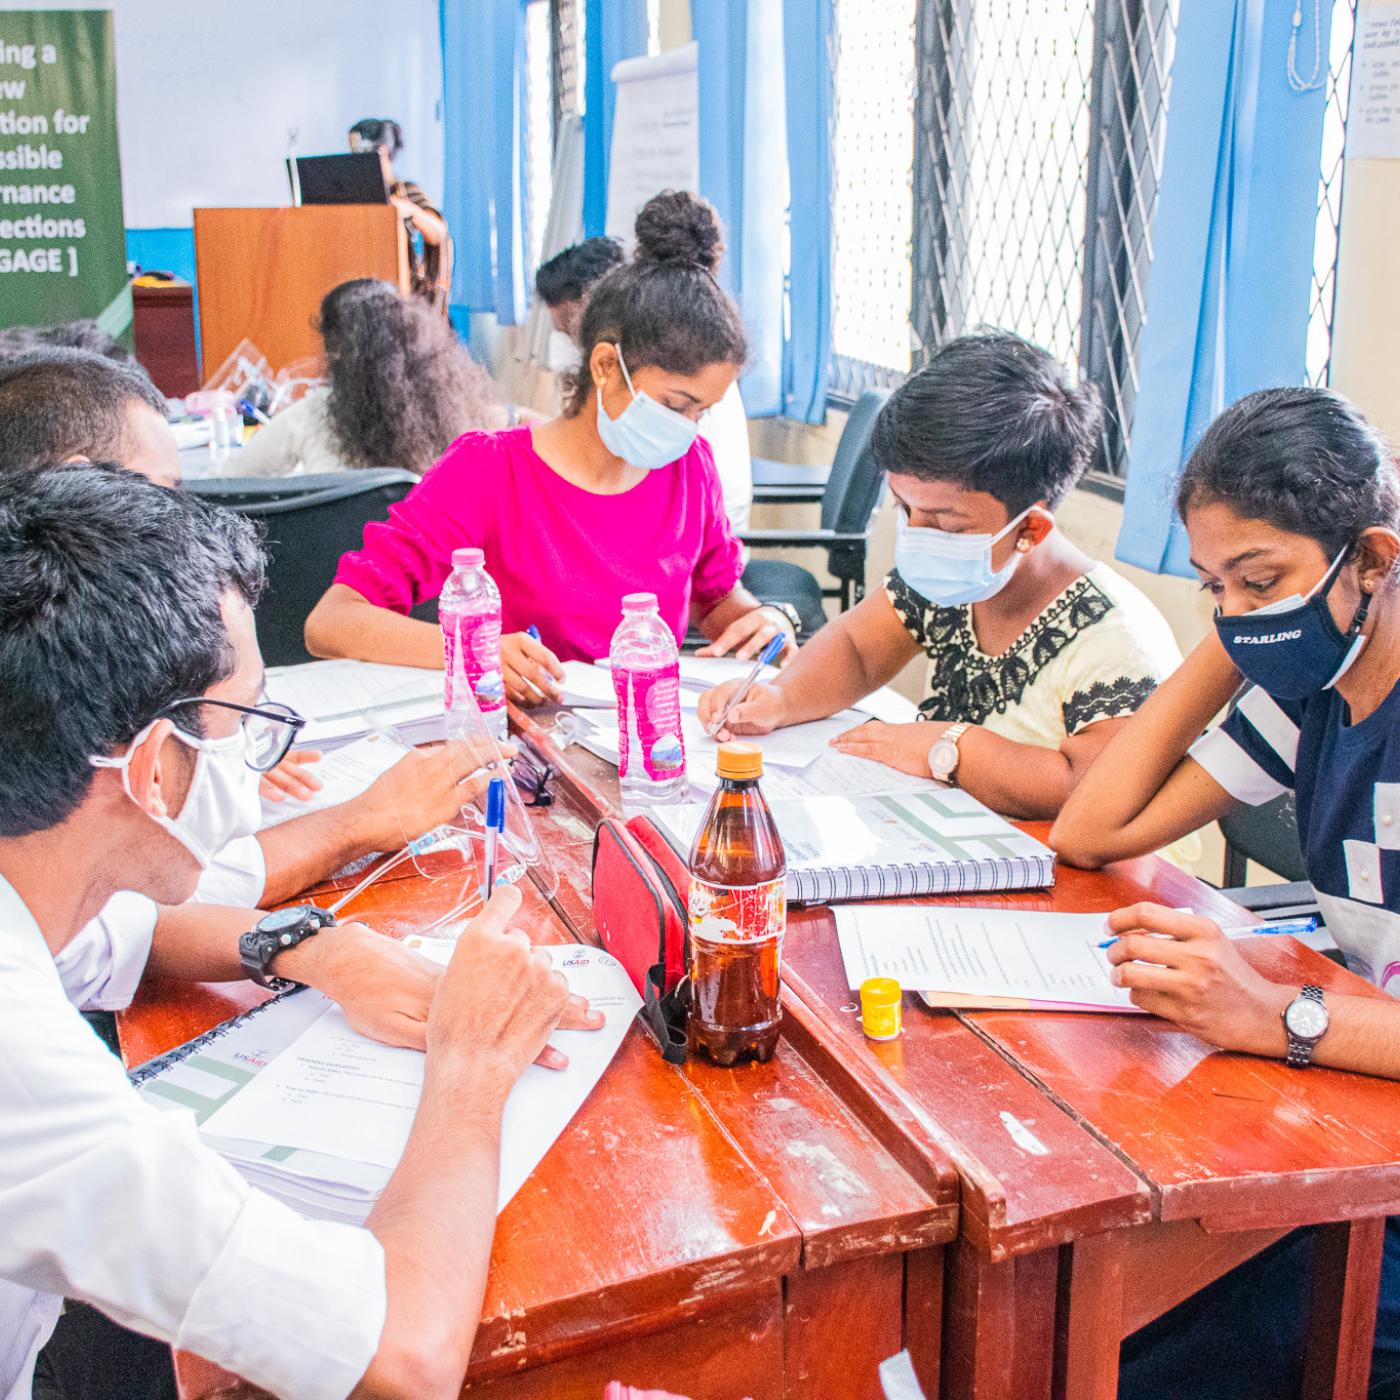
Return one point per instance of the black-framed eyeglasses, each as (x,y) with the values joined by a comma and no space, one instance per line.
(532,775)
(269,727)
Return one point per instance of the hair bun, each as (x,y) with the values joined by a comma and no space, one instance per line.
(679,228)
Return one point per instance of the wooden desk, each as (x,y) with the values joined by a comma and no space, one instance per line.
(719,1234)
(1110,1166)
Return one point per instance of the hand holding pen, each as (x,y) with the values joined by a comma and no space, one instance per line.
(765,658)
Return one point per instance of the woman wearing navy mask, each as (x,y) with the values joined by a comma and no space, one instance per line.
(618,495)
(1292,504)
(1038,653)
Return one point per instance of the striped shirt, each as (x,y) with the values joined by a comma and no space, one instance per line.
(1346,778)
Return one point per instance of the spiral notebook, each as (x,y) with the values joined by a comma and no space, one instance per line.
(841,850)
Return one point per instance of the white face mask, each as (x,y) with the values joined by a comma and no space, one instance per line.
(952,569)
(561,355)
(222,803)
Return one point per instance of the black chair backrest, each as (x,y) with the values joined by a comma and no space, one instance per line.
(854,488)
(1268,835)
(311,521)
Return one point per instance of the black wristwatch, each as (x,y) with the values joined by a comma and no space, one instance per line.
(1304,1023)
(280,930)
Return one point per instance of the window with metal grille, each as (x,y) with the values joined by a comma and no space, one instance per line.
(1326,244)
(872,200)
(1038,154)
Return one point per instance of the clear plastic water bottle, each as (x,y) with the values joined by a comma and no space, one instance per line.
(646,679)
(469,612)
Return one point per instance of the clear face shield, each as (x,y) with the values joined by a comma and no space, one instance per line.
(451,859)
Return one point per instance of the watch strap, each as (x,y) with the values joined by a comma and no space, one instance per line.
(1300,1051)
(951,735)
(259,946)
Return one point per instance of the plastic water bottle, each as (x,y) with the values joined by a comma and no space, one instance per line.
(646,679)
(469,612)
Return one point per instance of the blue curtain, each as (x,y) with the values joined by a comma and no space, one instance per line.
(483,65)
(1227,296)
(613,30)
(807,36)
(743,156)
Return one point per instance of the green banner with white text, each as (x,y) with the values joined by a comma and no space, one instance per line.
(62,236)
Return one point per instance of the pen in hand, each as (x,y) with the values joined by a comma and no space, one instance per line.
(1295,927)
(495,825)
(765,658)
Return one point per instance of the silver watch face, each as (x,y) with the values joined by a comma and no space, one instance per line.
(943,758)
(1306,1018)
(281,919)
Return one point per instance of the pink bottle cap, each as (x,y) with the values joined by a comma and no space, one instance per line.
(638,602)
(468,558)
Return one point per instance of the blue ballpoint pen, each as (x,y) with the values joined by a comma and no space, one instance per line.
(495,825)
(765,657)
(1287,926)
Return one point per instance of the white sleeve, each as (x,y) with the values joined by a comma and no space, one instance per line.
(107,1199)
(101,967)
(237,875)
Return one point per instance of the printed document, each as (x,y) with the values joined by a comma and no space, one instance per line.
(336,1093)
(1032,957)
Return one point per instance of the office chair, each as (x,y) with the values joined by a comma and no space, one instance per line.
(1267,835)
(851,497)
(311,521)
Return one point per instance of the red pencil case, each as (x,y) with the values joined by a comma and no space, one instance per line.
(639,910)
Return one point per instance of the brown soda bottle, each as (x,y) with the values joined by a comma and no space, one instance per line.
(738,912)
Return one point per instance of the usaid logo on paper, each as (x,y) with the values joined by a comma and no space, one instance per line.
(1271,637)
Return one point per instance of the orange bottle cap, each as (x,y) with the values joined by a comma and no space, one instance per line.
(739,761)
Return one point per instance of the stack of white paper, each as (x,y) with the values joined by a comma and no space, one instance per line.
(315,1114)
(344,700)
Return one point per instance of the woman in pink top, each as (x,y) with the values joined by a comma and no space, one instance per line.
(615,496)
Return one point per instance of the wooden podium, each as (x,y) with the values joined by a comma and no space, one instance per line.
(263,272)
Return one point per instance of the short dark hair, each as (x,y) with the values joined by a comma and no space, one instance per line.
(1303,460)
(110,594)
(993,413)
(570,275)
(73,335)
(664,308)
(56,404)
(381,131)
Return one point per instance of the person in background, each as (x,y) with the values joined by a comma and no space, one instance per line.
(617,495)
(1292,504)
(60,405)
(564,283)
(430,245)
(128,669)
(1039,654)
(72,335)
(400,388)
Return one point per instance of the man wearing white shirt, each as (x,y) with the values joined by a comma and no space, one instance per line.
(129,680)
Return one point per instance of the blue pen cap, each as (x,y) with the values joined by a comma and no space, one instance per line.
(496,804)
(533,631)
(769,654)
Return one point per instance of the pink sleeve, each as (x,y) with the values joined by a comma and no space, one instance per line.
(407,558)
(721,558)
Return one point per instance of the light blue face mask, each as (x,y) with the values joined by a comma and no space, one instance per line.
(645,434)
(950,569)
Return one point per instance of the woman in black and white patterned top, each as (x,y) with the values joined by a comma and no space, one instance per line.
(1038,653)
